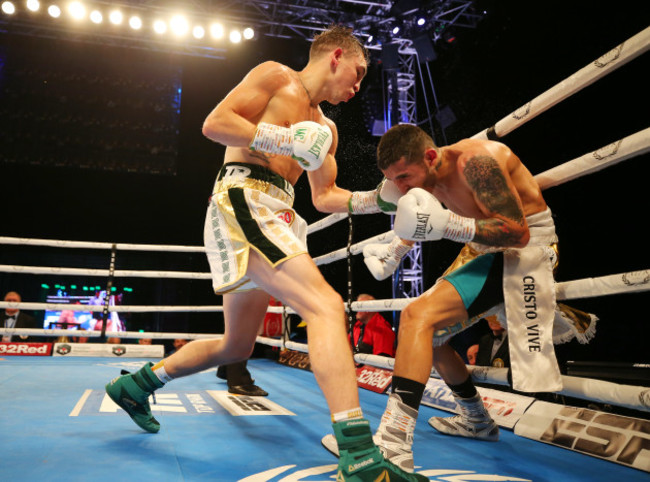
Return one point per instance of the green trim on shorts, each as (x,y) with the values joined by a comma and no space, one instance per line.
(250,227)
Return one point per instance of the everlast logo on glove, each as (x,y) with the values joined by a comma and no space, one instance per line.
(421,226)
(318,145)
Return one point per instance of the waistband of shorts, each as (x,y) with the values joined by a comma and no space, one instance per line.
(259,173)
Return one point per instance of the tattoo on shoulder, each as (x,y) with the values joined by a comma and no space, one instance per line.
(486,179)
(488,182)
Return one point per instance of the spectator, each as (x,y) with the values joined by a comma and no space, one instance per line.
(178,344)
(493,346)
(15,318)
(372,333)
(472,351)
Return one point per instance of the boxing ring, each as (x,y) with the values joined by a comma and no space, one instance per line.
(63,427)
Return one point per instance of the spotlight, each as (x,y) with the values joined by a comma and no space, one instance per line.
(249,33)
(116,17)
(8,8)
(198,32)
(54,11)
(159,27)
(373,35)
(179,25)
(421,21)
(96,16)
(77,10)
(135,23)
(235,36)
(33,5)
(216,30)
(395,30)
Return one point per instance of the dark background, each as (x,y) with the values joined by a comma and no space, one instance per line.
(519,50)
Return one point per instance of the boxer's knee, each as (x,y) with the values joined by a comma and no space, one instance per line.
(327,308)
(413,318)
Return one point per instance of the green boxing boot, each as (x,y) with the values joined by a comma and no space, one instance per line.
(360,459)
(131,392)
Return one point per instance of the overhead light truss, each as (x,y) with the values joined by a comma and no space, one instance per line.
(291,19)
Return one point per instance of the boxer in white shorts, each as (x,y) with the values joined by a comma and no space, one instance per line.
(250,208)
(273,130)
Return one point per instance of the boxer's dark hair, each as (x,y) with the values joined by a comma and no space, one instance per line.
(403,140)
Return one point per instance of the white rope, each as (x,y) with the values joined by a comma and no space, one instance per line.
(326,222)
(109,334)
(354,249)
(616,152)
(102,272)
(588,389)
(630,282)
(111,308)
(57,243)
(627,396)
(602,66)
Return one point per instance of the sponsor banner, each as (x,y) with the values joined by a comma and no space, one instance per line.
(619,439)
(239,405)
(504,407)
(295,359)
(25,349)
(375,379)
(108,350)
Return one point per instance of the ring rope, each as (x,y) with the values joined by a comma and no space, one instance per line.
(630,282)
(326,222)
(356,248)
(621,150)
(103,272)
(615,58)
(57,243)
(58,332)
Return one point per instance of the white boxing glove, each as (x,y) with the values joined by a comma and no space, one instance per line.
(307,142)
(421,217)
(382,259)
(383,199)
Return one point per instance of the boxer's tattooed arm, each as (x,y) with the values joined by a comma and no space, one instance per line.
(490,187)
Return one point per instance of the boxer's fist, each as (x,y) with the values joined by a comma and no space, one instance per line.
(382,259)
(307,142)
(311,143)
(383,199)
(421,217)
(387,196)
